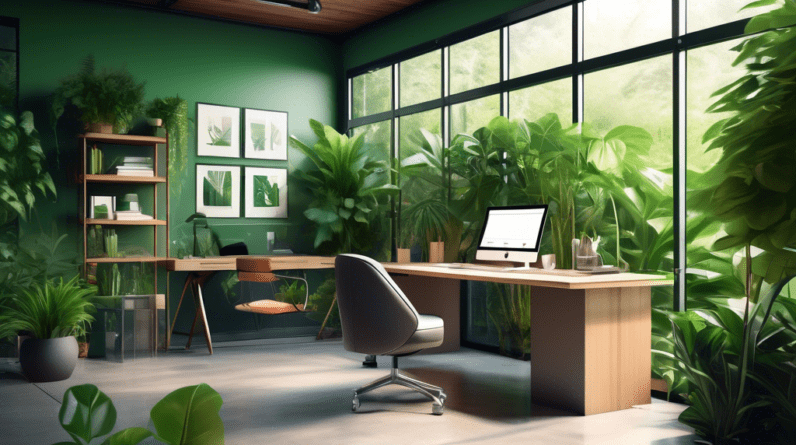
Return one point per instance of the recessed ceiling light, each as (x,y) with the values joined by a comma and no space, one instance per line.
(313,6)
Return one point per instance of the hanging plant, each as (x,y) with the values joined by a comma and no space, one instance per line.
(174,112)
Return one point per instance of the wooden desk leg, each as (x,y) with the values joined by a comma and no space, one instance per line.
(436,296)
(201,310)
(590,349)
(177,311)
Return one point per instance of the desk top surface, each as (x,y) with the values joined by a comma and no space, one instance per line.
(564,279)
(267,262)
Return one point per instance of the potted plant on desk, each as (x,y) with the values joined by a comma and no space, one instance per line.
(51,313)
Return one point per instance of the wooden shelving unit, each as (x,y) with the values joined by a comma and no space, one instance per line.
(135,143)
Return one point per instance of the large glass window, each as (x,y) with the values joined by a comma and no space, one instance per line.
(706,13)
(475,63)
(709,68)
(534,102)
(371,93)
(541,43)
(470,116)
(410,127)
(638,94)
(616,25)
(377,140)
(421,79)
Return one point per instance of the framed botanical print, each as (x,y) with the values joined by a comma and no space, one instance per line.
(217,130)
(218,190)
(265,134)
(266,192)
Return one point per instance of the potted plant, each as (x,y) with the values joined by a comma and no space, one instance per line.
(51,313)
(107,100)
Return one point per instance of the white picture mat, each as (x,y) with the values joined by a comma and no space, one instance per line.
(231,211)
(223,118)
(274,126)
(109,201)
(277,175)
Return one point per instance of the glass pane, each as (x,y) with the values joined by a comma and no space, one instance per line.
(8,80)
(707,13)
(638,94)
(470,116)
(377,142)
(475,63)
(422,189)
(421,79)
(371,93)
(534,102)
(541,43)
(709,68)
(410,129)
(8,38)
(616,25)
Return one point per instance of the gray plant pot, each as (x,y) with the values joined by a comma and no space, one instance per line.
(48,360)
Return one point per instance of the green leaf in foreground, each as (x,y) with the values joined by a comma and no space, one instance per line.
(189,416)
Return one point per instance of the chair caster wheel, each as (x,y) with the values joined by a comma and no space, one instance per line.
(355,404)
(437,409)
(442,397)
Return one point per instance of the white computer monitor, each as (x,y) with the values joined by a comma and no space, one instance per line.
(512,234)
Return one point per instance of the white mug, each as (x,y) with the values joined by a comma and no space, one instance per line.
(549,261)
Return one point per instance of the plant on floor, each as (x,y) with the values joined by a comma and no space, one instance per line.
(509,308)
(174,112)
(740,369)
(101,97)
(188,415)
(53,309)
(349,190)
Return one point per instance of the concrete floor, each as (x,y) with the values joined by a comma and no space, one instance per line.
(301,394)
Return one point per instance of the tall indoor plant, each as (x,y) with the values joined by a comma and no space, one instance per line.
(51,314)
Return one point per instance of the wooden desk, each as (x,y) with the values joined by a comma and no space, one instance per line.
(590,334)
(201,269)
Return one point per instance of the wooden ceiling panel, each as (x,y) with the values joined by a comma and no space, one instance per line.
(336,16)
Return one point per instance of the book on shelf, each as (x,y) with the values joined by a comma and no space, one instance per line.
(134,172)
(102,207)
(132,215)
(96,161)
(137,160)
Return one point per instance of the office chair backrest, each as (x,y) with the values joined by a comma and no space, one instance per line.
(376,316)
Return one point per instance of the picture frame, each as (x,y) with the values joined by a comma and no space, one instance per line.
(265,134)
(218,190)
(266,192)
(217,130)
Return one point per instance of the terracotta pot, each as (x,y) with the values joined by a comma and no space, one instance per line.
(100,127)
(48,360)
(83,349)
(403,256)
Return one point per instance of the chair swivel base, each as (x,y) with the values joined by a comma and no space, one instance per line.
(435,393)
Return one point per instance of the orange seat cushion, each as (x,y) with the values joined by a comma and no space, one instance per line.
(269,307)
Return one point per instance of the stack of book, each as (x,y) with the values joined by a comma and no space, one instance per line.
(132,215)
(135,166)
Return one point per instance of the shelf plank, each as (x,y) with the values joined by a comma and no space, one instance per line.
(124,139)
(126,179)
(116,222)
(143,259)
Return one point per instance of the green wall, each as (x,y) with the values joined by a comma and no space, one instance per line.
(422,24)
(199,60)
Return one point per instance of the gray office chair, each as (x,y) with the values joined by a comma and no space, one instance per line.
(378,319)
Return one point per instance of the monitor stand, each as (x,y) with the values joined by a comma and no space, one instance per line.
(527,266)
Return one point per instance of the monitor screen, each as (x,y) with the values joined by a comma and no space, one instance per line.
(512,233)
